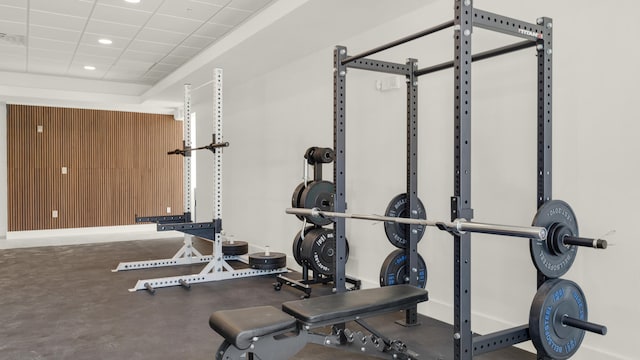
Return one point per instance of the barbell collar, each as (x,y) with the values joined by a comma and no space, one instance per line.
(584,325)
(586,242)
(457,226)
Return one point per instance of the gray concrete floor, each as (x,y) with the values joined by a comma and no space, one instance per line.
(64,302)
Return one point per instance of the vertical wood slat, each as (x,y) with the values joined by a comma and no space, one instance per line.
(116,161)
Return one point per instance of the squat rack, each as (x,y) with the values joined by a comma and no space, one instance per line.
(217,266)
(467,17)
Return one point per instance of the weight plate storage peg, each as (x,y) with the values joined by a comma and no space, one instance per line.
(297,244)
(395,268)
(551,256)
(558,319)
(267,260)
(397,232)
(318,250)
(235,248)
(318,194)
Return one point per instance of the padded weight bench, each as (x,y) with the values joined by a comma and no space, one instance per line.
(266,333)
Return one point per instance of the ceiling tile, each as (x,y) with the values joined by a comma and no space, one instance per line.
(120,15)
(156,74)
(189,9)
(10,27)
(12,50)
(160,36)
(164,67)
(92,39)
(98,50)
(141,56)
(174,59)
(230,17)
(13,63)
(57,56)
(77,69)
(9,13)
(97,61)
(64,7)
(171,23)
(15,3)
(47,66)
(56,20)
(212,30)
(149,46)
(123,75)
(48,44)
(133,65)
(198,41)
(146,5)
(54,33)
(185,51)
(249,5)
(221,3)
(111,29)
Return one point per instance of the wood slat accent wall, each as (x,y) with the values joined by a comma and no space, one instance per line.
(117,167)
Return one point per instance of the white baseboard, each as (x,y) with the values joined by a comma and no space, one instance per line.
(23,239)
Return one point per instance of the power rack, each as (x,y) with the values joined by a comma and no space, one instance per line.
(538,35)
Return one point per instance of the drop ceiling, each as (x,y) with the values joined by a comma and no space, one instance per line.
(159,45)
(150,39)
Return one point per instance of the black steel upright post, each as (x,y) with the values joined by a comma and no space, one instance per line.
(339,130)
(461,201)
(411,315)
(545,51)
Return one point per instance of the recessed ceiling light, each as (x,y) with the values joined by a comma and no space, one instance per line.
(89,67)
(105,41)
(132,1)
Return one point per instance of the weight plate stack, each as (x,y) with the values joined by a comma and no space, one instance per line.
(396,232)
(318,249)
(395,270)
(551,257)
(235,248)
(270,261)
(318,194)
(556,299)
(297,244)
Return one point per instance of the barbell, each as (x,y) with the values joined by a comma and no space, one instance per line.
(458,226)
(185,152)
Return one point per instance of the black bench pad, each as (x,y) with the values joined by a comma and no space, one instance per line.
(354,304)
(240,326)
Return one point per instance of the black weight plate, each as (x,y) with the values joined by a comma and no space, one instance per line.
(318,194)
(395,268)
(318,251)
(262,261)
(555,299)
(554,264)
(396,232)
(237,248)
(297,244)
(295,198)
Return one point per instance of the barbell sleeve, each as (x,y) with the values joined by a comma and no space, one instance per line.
(457,226)
(584,325)
(587,242)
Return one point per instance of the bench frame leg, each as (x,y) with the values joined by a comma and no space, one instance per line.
(287,345)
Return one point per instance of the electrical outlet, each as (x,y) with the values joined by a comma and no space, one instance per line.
(168,209)
(64,170)
(54,214)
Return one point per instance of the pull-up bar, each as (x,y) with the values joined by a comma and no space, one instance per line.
(480,56)
(399,41)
